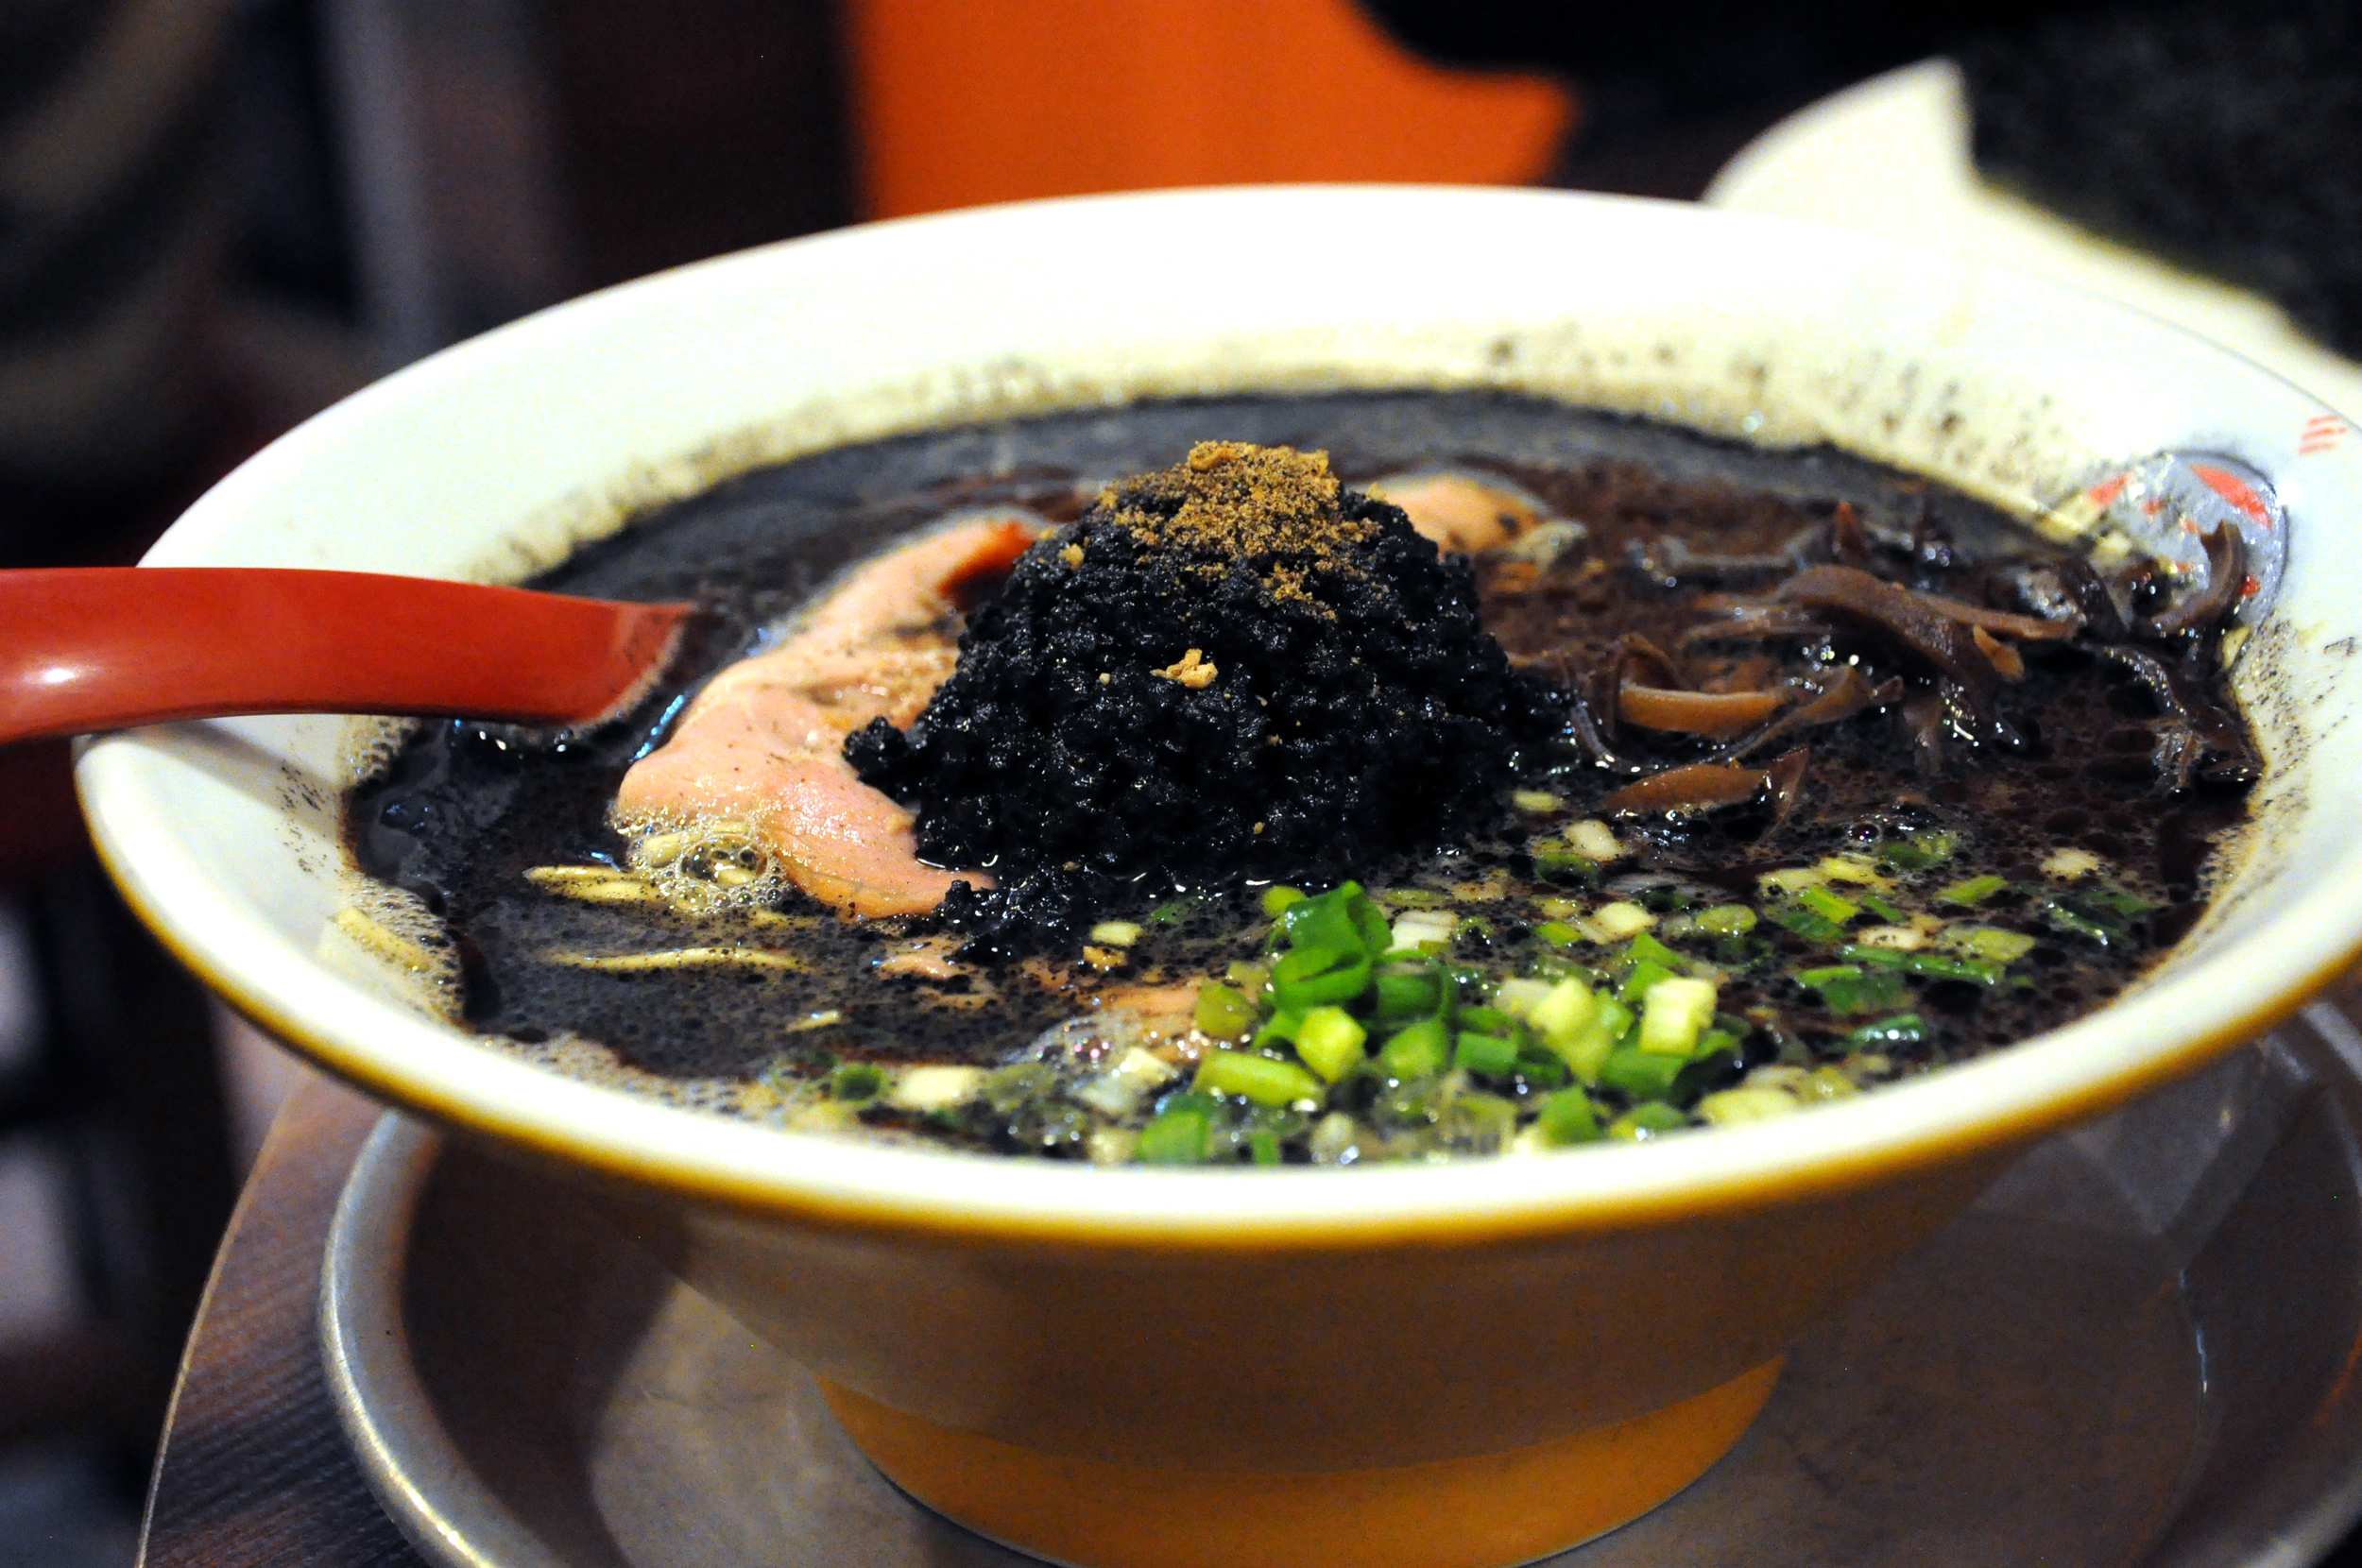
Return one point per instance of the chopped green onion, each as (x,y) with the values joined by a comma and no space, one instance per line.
(1968,893)
(1859,870)
(2116,902)
(1309,976)
(1715,1042)
(1224,1013)
(1557,967)
(1412,898)
(1643,1122)
(1244,1075)
(1539,1068)
(1178,1134)
(1278,899)
(1731,1107)
(1639,977)
(1418,1051)
(1263,1146)
(1645,948)
(1917,852)
(1484,1020)
(1489,1054)
(1327,921)
(1329,1042)
(1975,971)
(1875,990)
(1422,931)
(1804,923)
(1567,1117)
(1558,933)
(1934,965)
(1174,912)
(1115,933)
(856,1082)
(1279,1029)
(1462,980)
(1848,988)
(1621,919)
(1884,911)
(1557,861)
(1248,978)
(1541,802)
(1989,942)
(1586,1045)
(1727,920)
(1517,997)
(1561,1014)
(1641,1073)
(1827,905)
(1673,1013)
(1595,838)
(2066,915)
(1826,1083)
(1716,1061)
(931,1090)
(1904,1029)
(1783,883)
(1405,993)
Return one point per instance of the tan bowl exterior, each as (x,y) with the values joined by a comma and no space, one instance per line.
(1303,1357)
(1241,1318)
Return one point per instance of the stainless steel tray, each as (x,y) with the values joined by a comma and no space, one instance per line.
(2140,1347)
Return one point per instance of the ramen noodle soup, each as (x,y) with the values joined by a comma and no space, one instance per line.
(1327,779)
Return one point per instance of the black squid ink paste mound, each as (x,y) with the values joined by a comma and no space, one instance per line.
(1234,668)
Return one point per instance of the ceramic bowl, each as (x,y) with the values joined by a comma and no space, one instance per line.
(1465,1364)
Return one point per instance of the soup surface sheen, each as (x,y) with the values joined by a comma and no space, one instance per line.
(1779,851)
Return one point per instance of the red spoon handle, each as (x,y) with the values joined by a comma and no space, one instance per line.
(101,648)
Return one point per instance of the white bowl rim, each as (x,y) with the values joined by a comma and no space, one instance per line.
(1979,1107)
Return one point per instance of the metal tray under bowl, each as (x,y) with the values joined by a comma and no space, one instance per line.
(2139,1348)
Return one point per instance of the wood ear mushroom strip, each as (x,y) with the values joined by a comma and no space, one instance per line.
(1697,786)
(2005,658)
(1717,715)
(1925,624)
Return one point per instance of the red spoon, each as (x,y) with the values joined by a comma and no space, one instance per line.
(101,648)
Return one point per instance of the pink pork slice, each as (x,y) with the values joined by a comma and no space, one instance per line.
(1459,511)
(765,740)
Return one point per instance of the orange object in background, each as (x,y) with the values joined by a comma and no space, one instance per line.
(957,102)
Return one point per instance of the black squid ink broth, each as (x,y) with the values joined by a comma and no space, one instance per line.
(1739,781)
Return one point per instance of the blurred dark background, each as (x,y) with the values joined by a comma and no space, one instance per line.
(218,216)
